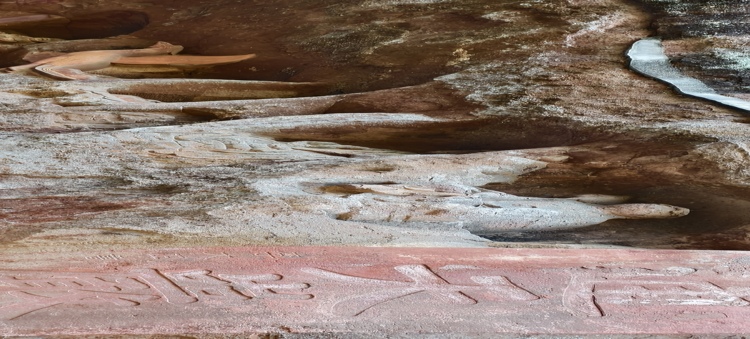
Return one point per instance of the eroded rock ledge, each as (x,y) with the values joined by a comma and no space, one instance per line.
(361,123)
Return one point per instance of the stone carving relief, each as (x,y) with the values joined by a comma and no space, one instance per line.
(25,293)
(423,281)
(503,286)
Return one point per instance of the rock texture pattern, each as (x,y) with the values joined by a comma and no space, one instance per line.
(333,292)
(201,186)
(647,57)
(367,123)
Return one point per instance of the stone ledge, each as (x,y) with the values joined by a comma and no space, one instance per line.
(298,290)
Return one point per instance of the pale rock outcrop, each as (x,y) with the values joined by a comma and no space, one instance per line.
(485,118)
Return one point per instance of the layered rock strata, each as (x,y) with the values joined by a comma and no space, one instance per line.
(367,123)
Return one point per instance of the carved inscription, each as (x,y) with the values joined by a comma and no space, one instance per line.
(594,292)
(204,286)
(22,293)
(422,281)
(591,292)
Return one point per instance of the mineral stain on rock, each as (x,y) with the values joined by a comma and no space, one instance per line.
(50,209)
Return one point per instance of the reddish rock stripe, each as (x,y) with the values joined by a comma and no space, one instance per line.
(376,290)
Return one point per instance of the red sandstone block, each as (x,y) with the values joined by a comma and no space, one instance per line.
(376,290)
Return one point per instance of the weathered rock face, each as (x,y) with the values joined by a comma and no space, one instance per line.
(707,39)
(385,123)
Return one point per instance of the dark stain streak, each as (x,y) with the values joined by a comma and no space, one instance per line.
(57,208)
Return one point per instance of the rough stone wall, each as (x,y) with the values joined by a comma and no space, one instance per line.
(377,123)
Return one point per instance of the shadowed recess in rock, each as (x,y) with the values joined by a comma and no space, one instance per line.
(467,136)
(92,25)
(640,173)
(210,90)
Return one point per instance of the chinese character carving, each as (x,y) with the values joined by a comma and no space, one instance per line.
(28,292)
(204,285)
(591,292)
(21,294)
(422,281)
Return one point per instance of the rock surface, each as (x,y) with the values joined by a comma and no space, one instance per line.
(513,108)
(399,123)
(365,292)
(647,57)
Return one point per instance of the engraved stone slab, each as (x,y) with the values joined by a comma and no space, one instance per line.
(375,290)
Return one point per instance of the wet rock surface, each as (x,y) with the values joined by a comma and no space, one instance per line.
(398,123)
